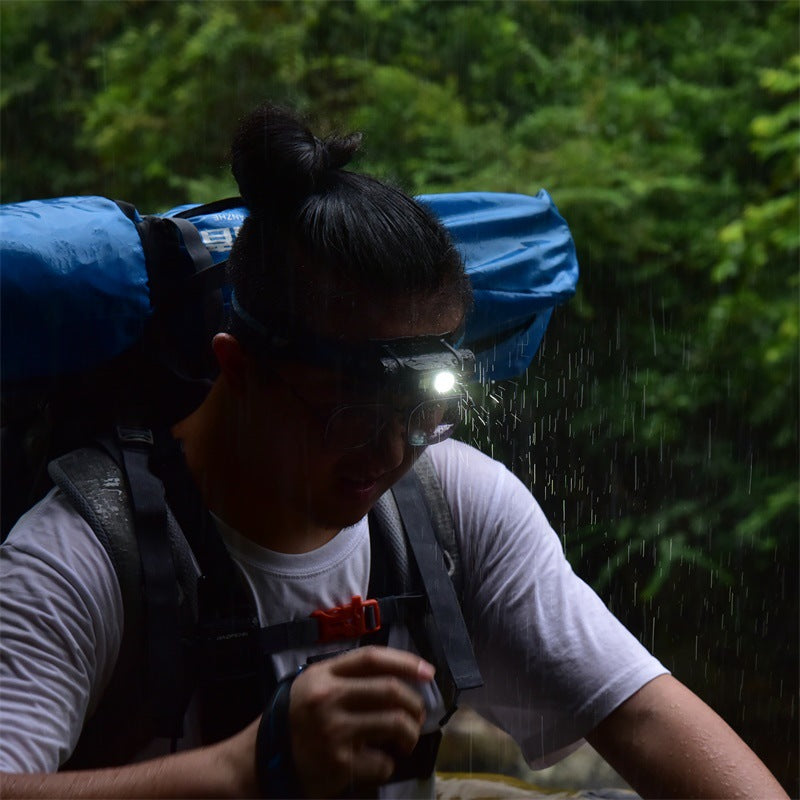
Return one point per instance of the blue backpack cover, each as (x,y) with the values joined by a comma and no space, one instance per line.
(80,277)
(521,260)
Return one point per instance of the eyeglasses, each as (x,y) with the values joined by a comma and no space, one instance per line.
(356,425)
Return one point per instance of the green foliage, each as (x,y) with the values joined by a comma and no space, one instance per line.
(45,89)
(197,66)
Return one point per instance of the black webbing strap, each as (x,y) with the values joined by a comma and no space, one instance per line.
(207,275)
(450,632)
(193,242)
(288,635)
(397,609)
(442,521)
(231,681)
(159,578)
(275,769)
(214,207)
(220,578)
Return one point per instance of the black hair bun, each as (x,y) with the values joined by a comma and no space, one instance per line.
(278,162)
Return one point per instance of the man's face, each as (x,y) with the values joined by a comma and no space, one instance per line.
(290,410)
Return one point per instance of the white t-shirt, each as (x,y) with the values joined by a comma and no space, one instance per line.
(555,661)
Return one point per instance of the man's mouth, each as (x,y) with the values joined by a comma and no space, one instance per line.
(361,483)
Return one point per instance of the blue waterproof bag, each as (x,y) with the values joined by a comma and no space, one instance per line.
(81,277)
(520,257)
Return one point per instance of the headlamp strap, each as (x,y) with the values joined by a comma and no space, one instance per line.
(360,358)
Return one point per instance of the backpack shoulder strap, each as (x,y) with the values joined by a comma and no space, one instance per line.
(442,521)
(413,543)
(391,573)
(97,486)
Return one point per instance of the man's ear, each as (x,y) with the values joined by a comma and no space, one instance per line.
(232,360)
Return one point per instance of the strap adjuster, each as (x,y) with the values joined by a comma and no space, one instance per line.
(356,619)
(127,435)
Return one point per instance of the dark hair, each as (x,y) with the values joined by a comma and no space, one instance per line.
(308,214)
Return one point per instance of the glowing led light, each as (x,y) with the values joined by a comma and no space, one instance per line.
(443,382)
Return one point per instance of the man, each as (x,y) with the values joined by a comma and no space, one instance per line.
(315,414)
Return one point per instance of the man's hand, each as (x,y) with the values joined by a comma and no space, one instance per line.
(347,715)
(350,713)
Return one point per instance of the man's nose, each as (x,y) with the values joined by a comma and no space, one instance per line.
(389,445)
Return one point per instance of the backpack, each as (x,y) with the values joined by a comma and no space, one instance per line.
(132,304)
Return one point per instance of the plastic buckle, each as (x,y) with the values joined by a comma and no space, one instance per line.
(348,622)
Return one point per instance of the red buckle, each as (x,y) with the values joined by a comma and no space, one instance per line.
(348,622)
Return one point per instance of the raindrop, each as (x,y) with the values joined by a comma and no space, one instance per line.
(653,331)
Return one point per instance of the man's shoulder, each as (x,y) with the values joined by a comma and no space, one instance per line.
(65,510)
(455,454)
(464,471)
(52,518)
(53,548)
(484,494)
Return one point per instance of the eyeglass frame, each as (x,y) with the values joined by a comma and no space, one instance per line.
(461,395)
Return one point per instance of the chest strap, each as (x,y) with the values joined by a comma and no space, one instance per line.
(358,618)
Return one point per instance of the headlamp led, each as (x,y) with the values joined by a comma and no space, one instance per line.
(444,382)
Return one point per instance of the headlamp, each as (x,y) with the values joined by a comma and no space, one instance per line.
(413,367)
(427,366)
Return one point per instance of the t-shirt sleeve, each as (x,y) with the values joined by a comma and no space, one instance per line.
(60,633)
(555,661)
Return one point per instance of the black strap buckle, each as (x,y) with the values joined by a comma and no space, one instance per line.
(127,435)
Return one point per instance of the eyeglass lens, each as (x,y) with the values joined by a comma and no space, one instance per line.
(429,422)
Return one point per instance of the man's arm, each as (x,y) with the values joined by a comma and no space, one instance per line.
(226,769)
(347,715)
(666,742)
